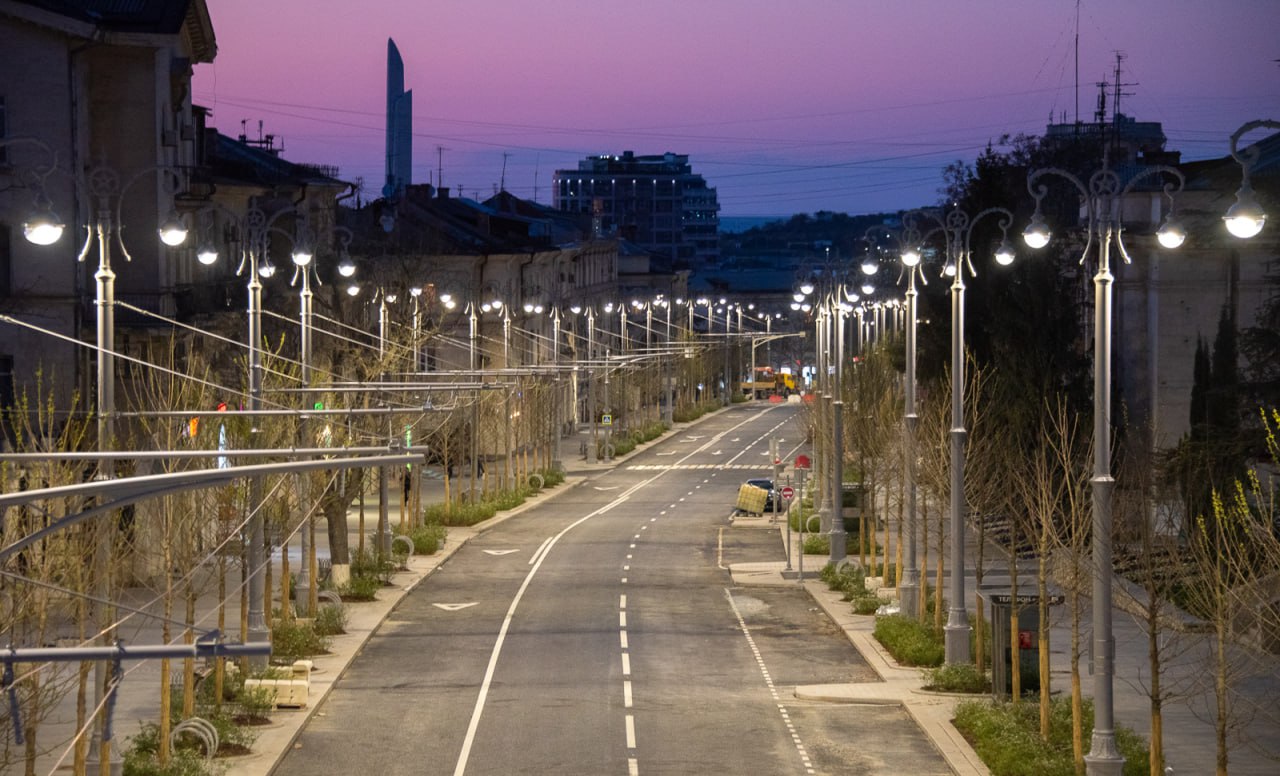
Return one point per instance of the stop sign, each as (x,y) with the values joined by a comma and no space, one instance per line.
(802,462)
(788,492)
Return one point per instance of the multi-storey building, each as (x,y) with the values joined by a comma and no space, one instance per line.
(657,202)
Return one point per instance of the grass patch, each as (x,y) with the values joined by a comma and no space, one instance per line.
(910,643)
(459,514)
(1007,738)
(691,412)
(957,677)
(817,544)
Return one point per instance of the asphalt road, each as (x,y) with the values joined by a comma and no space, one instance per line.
(601,633)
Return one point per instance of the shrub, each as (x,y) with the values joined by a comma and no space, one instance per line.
(910,643)
(1007,738)
(181,763)
(331,620)
(361,588)
(817,544)
(458,514)
(867,603)
(294,639)
(508,499)
(957,677)
(140,757)
(848,580)
(427,538)
(367,563)
(551,477)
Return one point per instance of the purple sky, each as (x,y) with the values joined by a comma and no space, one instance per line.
(785,107)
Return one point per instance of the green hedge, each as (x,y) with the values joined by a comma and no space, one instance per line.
(1007,738)
(910,643)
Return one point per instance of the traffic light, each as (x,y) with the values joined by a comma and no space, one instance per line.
(318,405)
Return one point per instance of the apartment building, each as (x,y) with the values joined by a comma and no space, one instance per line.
(657,202)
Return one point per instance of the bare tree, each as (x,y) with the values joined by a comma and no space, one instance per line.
(1236,554)
(1049,490)
(44,588)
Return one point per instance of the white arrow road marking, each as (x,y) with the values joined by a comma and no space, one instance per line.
(673,452)
(694,438)
(611,487)
(717,452)
(735,439)
(454,607)
(499,552)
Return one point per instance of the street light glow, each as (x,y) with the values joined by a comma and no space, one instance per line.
(1037,233)
(206,254)
(173,232)
(1171,234)
(1004,254)
(43,227)
(1245,218)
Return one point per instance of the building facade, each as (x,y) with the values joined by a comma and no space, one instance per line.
(97,120)
(657,202)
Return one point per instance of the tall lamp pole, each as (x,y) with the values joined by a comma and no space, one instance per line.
(958,231)
(105,187)
(1102,198)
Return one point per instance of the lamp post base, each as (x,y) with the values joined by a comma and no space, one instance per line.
(956,641)
(1103,758)
(839,545)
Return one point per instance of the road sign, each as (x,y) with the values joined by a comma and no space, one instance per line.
(606,419)
(788,492)
(802,462)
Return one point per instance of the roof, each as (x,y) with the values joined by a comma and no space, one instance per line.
(164,17)
(232,161)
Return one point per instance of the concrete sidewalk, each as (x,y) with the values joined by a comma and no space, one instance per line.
(1187,720)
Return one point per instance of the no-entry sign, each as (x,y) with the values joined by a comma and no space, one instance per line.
(788,492)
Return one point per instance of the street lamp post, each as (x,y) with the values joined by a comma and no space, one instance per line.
(105,187)
(957,228)
(1101,198)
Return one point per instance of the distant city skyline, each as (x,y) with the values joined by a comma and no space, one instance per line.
(854,107)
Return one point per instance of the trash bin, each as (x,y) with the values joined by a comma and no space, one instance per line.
(1003,604)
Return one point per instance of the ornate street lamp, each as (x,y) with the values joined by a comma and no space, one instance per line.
(957,228)
(1101,199)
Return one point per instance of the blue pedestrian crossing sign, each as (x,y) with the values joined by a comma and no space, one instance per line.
(606,419)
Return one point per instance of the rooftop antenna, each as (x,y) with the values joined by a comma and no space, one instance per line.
(502,185)
(1077,64)
(1115,102)
(538,159)
(440,166)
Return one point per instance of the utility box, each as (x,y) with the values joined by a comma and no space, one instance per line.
(1003,604)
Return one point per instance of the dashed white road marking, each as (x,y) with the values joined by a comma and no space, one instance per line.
(626,664)
(631,731)
(768,681)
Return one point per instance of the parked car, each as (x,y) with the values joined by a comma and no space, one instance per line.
(766,485)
